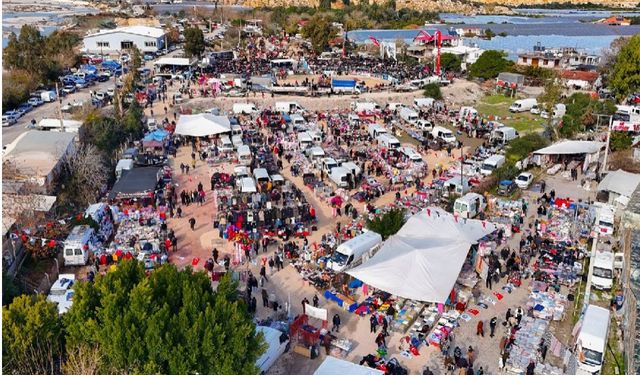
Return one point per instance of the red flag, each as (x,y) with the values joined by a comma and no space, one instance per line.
(455,217)
(375,41)
(484,224)
(429,212)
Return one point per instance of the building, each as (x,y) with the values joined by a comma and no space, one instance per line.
(468,54)
(578,79)
(145,38)
(615,21)
(617,186)
(630,281)
(37,157)
(556,58)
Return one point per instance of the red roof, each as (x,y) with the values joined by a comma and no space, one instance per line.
(579,75)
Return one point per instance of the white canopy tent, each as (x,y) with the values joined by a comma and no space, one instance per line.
(332,366)
(423,260)
(571,147)
(202,125)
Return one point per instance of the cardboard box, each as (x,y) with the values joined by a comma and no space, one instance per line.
(302,350)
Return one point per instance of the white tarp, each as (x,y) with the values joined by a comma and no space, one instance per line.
(332,366)
(571,147)
(202,125)
(177,61)
(620,182)
(423,260)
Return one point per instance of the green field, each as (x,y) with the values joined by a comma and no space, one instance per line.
(496,107)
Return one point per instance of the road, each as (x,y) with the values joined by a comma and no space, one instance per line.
(50,110)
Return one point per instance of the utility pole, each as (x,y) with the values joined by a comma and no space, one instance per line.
(60,109)
(606,149)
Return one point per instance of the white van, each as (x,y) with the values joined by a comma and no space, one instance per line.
(604,218)
(409,115)
(467,113)
(340,176)
(304,140)
(365,107)
(456,186)
(244,108)
(236,140)
(388,141)
(354,120)
(352,252)
(288,107)
(523,105)
(236,130)
(603,270)
(297,120)
(352,167)
(592,340)
(277,344)
(61,292)
(469,205)
(244,155)
(424,125)
(492,163)
(445,134)
(328,164)
(411,154)
(375,130)
(315,136)
(247,185)
(315,154)
(78,245)
(504,134)
(225,144)
(261,175)
(394,106)
(423,102)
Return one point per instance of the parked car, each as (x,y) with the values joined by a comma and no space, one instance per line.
(9,119)
(69,89)
(100,95)
(506,187)
(179,99)
(149,56)
(35,102)
(111,92)
(81,84)
(102,77)
(24,108)
(524,180)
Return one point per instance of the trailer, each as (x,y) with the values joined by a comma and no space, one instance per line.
(344,86)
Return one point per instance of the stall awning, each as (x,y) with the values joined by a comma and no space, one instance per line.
(137,182)
(202,125)
(173,61)
(571,147)
(423,260)
(332,366)
(620,182)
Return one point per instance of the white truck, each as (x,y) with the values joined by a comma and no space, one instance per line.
(444,134)
(469,205)
(244,108)
(340,176)
(523,105)
(423,102)
(48,96)
(365,107)
(352,253)
(375,130)
(277,344)
(491,163)
(244,155)
(304,140)
(411,154)
(61,292)
(504,134)
(409,115)
(288,107)
(604,216)
(78,245)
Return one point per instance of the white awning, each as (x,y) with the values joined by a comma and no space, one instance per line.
(571,147)
(423,260)
(202,125)
(620,182)
(175,61)
(333,366)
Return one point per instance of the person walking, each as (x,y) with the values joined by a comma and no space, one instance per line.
(471,356)
(265,298)
(492,326)
(336,323)
(315,300)
(263,274)
(373,321)
(305,301)
(192,223)
(215,255)
(489,281)
(480,328)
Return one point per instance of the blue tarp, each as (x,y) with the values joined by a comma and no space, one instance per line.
(343,83)
(111,64)
(156,135)
(286,117)
(89,68)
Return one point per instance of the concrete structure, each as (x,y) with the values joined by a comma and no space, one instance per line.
(37,157)
(145,38)
(579,79)
(556,58)
(618,186)
(630,239)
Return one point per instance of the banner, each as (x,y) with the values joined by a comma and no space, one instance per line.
(316,312)
(389,49)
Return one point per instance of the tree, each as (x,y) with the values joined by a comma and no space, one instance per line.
(9,289)
(432,90)
(625,74)
(320,31)
(31,336)
(521,147)
(488,33)
(549,98)
(169,322)
(104,132)
(490,64)
(194,42)
(59,49)
(450,62)
(88,174)
(388,223)
(620,141)
(26,51)
(16,86)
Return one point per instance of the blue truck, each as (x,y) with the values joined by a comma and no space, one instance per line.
(345,86)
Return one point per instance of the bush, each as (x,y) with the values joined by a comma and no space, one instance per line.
(620,141)
(450,62)
(490,64)
(432,90)
(508,171)
(521,147)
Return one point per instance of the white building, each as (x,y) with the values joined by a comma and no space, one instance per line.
(147,39)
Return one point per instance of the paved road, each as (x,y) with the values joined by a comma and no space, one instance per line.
(50,110)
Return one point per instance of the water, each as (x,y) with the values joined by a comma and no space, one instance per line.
(542,16)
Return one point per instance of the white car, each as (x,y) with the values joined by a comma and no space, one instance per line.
(111,92)
(544,114)
(535,109)
(524,180)
(8,120)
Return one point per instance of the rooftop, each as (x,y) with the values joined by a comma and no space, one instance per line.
(38,151)
(579,75)
(153,32)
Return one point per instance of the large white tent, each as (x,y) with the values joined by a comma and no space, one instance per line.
(571,147)
(332,366)
(202,125)
(423,260)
